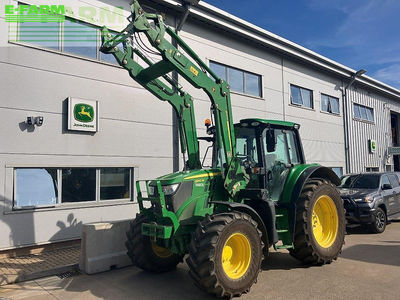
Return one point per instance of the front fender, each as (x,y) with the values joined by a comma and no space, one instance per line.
(254,214)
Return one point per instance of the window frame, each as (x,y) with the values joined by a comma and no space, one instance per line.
(361,119)
(244,72)
(60,49)
(341,171)
(301,105)
(60,204)
(329,104)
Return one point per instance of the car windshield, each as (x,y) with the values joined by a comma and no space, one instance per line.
(362,181)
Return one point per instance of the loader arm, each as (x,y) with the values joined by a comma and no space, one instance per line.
(154,77)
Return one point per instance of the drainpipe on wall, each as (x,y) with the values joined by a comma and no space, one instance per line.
(346,119)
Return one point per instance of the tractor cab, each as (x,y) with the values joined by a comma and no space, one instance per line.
(268,149)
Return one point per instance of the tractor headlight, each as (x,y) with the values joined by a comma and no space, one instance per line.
(170,189)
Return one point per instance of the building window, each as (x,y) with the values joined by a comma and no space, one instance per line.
(240,81)
(371,169)
(362,112)
(78,185)
(46,35)
(44,187)
(338,171)
(72,36)
(114,183)
(35,187)
(80,38)
(301,96)
(330,104)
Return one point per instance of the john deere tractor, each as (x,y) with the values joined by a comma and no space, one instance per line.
(259,192)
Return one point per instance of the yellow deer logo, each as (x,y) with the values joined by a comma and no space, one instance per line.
(84,113)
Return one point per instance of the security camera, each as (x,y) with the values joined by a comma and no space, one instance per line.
(34,121)
(39,121)
(30,120)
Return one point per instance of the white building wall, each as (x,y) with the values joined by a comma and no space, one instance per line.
(136,130)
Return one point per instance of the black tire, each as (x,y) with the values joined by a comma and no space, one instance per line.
(306,247)
(379,225)
(206,248)
(142,253)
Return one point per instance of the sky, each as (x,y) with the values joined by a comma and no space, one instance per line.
(361,34)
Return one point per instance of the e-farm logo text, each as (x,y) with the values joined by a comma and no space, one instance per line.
(33,13)
(57,13)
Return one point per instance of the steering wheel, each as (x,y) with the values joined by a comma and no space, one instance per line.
(249,162)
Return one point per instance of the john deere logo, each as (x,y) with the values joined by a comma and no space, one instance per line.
(83,113)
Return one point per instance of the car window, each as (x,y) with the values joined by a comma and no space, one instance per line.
(346,181)
(366,181)
(385,180)
(394,181)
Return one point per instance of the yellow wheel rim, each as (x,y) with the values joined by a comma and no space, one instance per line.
(325,221)
(160,251)
(236,256)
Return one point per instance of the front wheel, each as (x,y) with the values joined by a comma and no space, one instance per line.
(225,254)
(145,253)
(379,225)
(320,223)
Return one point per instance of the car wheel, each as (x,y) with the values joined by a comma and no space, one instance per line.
(379,225)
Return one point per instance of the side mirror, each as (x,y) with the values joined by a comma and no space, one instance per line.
(271,143)
(386,186)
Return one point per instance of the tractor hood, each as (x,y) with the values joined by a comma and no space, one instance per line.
(181,176)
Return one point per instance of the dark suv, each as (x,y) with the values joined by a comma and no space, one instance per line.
(371,198)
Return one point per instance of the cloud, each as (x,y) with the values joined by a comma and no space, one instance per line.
(369,29)
(390,74)
(365,37)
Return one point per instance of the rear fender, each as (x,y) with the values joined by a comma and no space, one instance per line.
(295,183)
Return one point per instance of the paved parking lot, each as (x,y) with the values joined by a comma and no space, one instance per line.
(368,268)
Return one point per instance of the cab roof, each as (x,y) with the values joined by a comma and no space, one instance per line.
(271,122)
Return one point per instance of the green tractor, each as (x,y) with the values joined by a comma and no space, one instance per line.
(259,192)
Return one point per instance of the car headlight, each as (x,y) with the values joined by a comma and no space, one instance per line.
(170,189)
(367,199)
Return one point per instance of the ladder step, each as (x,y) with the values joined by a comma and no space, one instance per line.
(284,247)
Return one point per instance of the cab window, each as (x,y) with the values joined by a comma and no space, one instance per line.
(246,144)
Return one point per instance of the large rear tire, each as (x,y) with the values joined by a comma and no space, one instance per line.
(320,223)
(225,254)
(145,253)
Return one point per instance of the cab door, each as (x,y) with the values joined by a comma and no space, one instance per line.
(280,154)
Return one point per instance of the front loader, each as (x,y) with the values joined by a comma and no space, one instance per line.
(259,192)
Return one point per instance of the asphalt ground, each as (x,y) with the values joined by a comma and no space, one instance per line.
(369,268)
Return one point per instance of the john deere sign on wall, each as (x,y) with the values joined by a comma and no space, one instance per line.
(83,115)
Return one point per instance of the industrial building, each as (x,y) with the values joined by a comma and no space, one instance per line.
(58,170)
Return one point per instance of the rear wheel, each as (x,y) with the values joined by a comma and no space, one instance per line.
(225,254)
(145,253)
(379,225)
(320,223)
